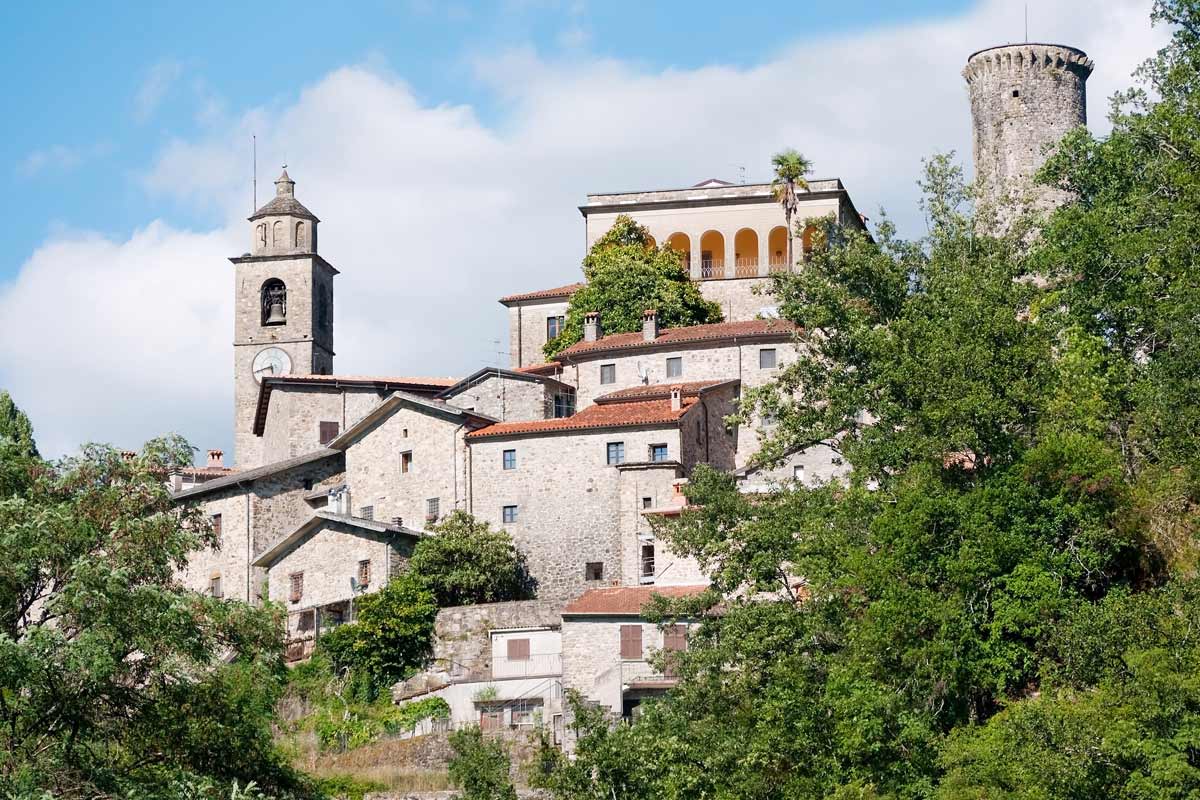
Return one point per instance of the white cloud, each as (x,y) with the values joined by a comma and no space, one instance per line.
(431,213)
(154,88)
(60,158)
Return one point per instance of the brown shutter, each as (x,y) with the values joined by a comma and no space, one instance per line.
(297,586)
(631,641)
(328,432)
(675,637)
(518,649)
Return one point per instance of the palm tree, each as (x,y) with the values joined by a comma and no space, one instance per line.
(790,168)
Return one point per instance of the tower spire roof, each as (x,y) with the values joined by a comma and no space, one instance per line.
(284,203)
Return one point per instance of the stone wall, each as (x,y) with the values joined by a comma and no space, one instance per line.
(373,467)
(567,499)
(463,649)
(231,558)
(509,399)
(295,415)
(527,329)
(740,298)
(1024,98)
(277,502)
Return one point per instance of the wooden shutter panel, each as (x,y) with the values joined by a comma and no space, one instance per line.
(328,432)
(631,641)
(518,649)
(675,637)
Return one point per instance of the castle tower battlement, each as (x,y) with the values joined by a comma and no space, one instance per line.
(1024,99)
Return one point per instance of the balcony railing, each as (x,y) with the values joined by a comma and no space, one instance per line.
(710,269)
(745,268)
(777,265)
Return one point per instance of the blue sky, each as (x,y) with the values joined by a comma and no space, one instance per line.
(94,91)
(444,147)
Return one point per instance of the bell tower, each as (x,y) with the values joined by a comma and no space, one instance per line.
(283,313)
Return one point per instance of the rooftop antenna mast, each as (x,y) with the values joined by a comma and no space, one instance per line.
(1027,23)
(254,179)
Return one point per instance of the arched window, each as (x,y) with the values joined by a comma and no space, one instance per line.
(301,241)
(680,243)
(745,253)
(712,255)
(262,235)
(812,238)
(274,302)
(323,309)
(277,234)
(777,249)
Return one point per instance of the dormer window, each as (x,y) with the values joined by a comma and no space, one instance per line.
(274,302)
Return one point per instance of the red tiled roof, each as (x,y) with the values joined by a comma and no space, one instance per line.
(658,391)
(625,599)
(541,369)
(694,333)
(545,294)
(608,415)
(207,471)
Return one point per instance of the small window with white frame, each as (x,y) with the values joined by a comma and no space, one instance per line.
(509,514)
(675,366)
(509,459)
(767,358)
(608,373)
(658,452)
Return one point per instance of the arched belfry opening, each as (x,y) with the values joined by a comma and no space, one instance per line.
(274,302)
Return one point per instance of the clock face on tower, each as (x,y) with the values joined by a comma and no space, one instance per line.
(271,362)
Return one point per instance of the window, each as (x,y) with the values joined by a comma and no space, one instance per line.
(594,571)
(308,484)
(366,512)
(274,302)
(491,718)
(307,620)
(216,523)
(658,452)
(523,712)
(554,326)
(631,642)
(214,587)
(564,405)
(647,502)
(406,462)
(518,649)
(432,507)
(608,373)
(674,642)
(766,358)
(296,581)
(616,453)
(509,514)
(1016,92)
(674,367)
(364,572)
(510,459)
(798,472)
(647,560)
(327,432)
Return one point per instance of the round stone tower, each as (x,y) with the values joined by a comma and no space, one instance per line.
(1024,97)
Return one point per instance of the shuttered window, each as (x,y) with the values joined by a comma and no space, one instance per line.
(631,641)
(328,431)
(364,572)
(518,649)
(675,637)
(296,580)
(214,587)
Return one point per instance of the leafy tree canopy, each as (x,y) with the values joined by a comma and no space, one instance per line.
(114,680)
(465,562)
(480,766)
(1002,601)
(626,274)
(16,431)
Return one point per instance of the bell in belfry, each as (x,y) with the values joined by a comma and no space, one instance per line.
(276,315)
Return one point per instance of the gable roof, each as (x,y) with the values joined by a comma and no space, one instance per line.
(380,384)
(481,375)
(317,521)
(544,294)
(624,600)
(597,416)
(244,476)
(659,391)
(397,400)
(755,329)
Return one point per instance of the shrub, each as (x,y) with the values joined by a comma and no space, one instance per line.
(480,767)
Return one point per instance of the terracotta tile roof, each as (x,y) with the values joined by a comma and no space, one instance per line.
(658,391)
(627,600)
(207,471)
(608,415)
(544,294)
(542,369)
(718,331)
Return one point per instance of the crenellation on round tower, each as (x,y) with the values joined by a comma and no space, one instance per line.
(1024,99)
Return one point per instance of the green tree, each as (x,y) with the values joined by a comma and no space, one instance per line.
(789,169)
(626,275)
(114,680)
(465,562)
(480,766)
(15,428)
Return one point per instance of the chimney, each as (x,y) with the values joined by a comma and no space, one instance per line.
(176,481)
(216,458)
(649,324)
(591,326)
(676,397)
(344,507)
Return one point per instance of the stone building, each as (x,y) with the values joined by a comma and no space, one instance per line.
(1024,98)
